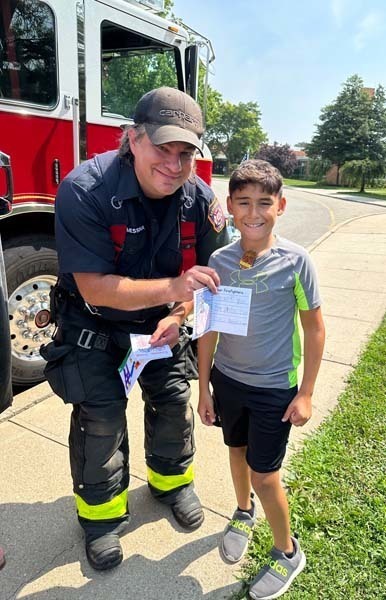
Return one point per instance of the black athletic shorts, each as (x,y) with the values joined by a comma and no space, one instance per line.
(251,416)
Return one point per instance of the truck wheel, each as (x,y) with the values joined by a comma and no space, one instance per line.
(31,268)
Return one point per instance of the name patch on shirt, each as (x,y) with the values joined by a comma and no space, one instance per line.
(135,229)
(216,215)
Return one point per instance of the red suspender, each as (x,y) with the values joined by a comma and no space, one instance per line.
(187,242)
(118,234)
(188,245)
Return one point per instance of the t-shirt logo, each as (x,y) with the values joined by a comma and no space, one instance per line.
(259,281)
(216,215)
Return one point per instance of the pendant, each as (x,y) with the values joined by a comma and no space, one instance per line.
(247,260)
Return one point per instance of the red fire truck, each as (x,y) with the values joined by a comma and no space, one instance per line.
(71,73)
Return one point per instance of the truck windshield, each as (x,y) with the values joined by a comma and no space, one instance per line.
(133,64)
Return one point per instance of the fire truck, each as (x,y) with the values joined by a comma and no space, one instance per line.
(5,346)
(71,73)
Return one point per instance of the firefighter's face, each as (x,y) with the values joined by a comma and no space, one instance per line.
(161,170)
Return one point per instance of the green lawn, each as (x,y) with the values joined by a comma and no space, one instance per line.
(337,493)
(310,184)
(379,193)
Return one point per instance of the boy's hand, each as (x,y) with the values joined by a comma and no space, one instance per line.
(205,408)
(299,411)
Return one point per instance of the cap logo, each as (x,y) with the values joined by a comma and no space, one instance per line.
(180,114)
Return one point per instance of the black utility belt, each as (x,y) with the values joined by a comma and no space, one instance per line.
(85,338)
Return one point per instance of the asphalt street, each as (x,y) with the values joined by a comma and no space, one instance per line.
(309,215)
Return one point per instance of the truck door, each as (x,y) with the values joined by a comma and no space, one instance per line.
(5,345)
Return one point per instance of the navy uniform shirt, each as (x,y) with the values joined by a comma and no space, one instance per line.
(105,224)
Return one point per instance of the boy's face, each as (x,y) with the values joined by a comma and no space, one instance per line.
(255,213)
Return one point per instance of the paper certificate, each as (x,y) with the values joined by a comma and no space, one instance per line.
(140,345)
(137,358)
(226,312)
(130,370)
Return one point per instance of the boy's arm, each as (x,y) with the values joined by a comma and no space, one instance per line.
(206,346)
(300,409)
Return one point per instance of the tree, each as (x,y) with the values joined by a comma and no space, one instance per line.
(360,172)
(353,127)
(235,130)
(318,168)
(280,156)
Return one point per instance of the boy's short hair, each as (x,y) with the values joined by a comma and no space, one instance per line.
(254,172)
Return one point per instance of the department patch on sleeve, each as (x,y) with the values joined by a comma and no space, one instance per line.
(216,215)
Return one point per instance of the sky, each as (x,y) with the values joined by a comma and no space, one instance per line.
(290,56)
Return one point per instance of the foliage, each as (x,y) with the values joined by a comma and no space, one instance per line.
(318,167)
(235,130)
(336,487)
(128,76)
(359,172)
(280,156)
(353,127)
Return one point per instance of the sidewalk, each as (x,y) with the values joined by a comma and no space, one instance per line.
(340,194)
(38,528)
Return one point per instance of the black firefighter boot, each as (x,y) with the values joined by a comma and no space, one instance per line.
(104,552)
(103,548)
(187,509)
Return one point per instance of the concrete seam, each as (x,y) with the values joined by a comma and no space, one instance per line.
(15,412)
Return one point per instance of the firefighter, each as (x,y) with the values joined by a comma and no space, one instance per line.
(134,230)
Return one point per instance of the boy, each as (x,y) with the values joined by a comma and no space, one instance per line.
(254,377)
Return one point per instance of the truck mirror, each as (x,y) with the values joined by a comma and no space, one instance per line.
(191,70)
(6,184)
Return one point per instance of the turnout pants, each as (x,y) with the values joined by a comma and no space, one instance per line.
(88,378)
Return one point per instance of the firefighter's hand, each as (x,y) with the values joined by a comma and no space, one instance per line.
(194,279)
(167,332)
(206,409)
(299,411)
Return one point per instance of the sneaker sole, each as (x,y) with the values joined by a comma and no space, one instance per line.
(229,561)
(283,590)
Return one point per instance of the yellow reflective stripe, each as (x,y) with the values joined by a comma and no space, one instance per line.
(114,508)
(165,483)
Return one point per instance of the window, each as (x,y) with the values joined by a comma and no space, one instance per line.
(28,61)
(131,66)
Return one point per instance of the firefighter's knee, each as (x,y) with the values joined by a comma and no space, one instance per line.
(169,431)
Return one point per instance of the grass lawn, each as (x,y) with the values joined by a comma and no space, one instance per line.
(379,193)
(317,185)
(337,493)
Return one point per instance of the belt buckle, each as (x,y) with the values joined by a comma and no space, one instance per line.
(88,335)
(101,341)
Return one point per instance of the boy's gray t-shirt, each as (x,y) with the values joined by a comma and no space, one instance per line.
(283,280)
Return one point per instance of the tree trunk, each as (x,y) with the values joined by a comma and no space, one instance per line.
(337,174)
(362,184)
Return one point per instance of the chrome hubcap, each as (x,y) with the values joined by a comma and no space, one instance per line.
(27,306)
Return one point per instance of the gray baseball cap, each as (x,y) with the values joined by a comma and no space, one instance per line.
(170,115)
